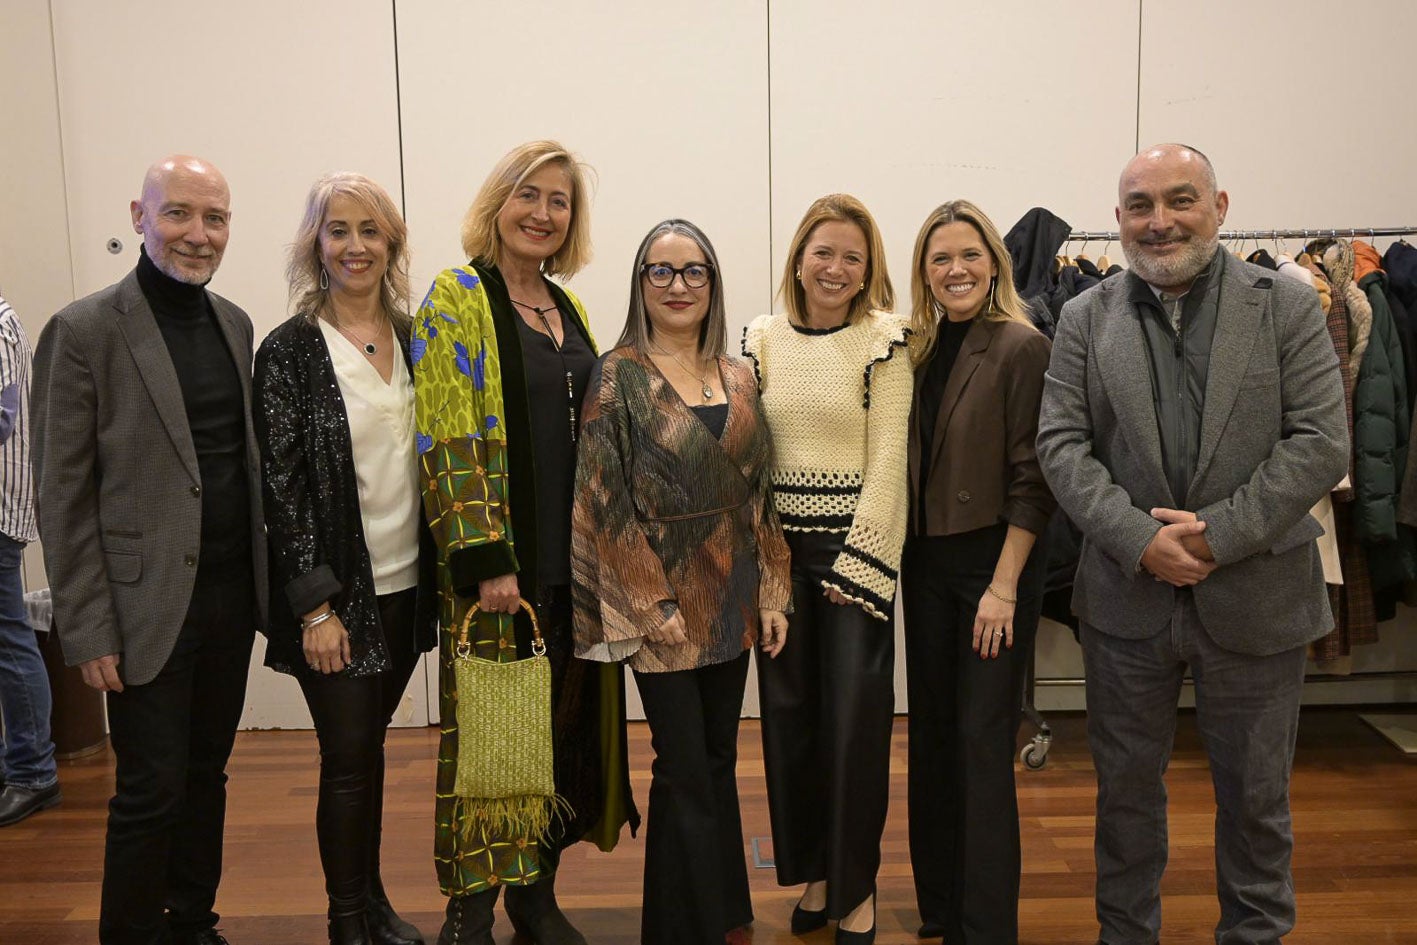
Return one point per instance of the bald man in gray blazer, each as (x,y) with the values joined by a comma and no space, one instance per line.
(150,518)
(1192,415)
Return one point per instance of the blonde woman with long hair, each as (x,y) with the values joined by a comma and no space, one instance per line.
(502,358)
(972,575)
(835,379)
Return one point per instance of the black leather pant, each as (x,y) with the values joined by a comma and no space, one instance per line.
(828,702)
(351,716)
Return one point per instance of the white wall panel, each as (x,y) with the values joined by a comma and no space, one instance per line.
(273,93)
(35,276)
(666,100)
(1010,104)
(1307,115)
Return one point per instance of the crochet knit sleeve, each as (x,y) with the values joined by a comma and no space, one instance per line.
(867,567)
(753,346)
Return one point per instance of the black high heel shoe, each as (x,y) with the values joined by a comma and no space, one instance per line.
(807,920)
(844,937)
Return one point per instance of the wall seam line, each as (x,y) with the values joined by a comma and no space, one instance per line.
(1141,13)
(398,112)
(768,25)
(63,160)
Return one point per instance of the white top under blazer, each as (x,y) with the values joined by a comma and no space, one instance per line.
(380,419)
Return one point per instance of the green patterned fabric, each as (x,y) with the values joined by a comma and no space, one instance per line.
(462,445)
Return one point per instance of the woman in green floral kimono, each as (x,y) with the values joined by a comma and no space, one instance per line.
(502,356)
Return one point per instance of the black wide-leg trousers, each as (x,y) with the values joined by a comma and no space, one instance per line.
(696,875)
(828,702)
(964,719)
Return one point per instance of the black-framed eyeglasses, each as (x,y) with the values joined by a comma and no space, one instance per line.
(661,276)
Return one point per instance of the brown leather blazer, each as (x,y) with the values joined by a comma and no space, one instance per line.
(984,466)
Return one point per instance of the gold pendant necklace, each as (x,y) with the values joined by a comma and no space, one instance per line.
(704,387)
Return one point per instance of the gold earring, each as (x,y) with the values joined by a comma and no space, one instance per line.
(799,273)
(861,287)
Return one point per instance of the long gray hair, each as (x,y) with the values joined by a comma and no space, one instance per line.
(713,333)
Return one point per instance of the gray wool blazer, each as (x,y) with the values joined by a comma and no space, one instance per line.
(119,501)
(1274,438)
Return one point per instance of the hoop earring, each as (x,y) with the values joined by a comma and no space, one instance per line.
(324,280)
(799,273)
(993,283)
(861,287)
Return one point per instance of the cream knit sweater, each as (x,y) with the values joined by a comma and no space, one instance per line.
(838,405)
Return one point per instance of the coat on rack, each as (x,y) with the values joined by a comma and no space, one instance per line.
(1369,274)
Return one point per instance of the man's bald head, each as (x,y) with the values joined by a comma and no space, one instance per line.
(1184,154)
(184,214)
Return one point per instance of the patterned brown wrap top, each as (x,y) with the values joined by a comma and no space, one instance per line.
(666,515)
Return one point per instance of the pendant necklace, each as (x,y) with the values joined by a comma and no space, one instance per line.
(370,349)
(704,387)
(540,312)
(559,346)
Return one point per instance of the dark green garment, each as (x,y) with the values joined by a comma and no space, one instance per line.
(1380,433)
(1180,364)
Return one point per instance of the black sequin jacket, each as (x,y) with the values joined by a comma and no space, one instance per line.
(314,532)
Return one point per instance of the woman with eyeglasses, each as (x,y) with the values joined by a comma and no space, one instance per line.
(835,383)
(680,568)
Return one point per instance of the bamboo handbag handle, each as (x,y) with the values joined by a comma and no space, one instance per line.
(464,648)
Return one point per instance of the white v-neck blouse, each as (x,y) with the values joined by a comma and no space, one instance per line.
(385,459)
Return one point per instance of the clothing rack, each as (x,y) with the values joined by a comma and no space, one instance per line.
(1035,752)
(1089,236)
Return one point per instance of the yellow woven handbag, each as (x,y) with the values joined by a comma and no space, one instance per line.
(505,781)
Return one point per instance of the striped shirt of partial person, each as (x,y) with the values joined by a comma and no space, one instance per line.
(16,475)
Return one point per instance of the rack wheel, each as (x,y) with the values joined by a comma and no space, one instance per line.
(1034,755)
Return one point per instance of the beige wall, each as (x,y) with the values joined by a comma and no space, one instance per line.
(735,114)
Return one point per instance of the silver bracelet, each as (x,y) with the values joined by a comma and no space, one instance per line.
(318,619)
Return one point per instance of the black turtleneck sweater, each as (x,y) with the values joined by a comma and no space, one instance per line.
(949,339)
(216,412)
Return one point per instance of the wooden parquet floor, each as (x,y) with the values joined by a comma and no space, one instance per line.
(1354,803)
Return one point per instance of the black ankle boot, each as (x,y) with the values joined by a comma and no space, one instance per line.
(349,930)
(469,919)
(385,926)
(536,916)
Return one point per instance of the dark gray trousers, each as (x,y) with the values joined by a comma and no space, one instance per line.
(1247,710)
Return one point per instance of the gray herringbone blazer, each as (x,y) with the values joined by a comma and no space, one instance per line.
(119,508)
(1274,439)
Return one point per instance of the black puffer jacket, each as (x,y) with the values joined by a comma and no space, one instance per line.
(1033,243)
